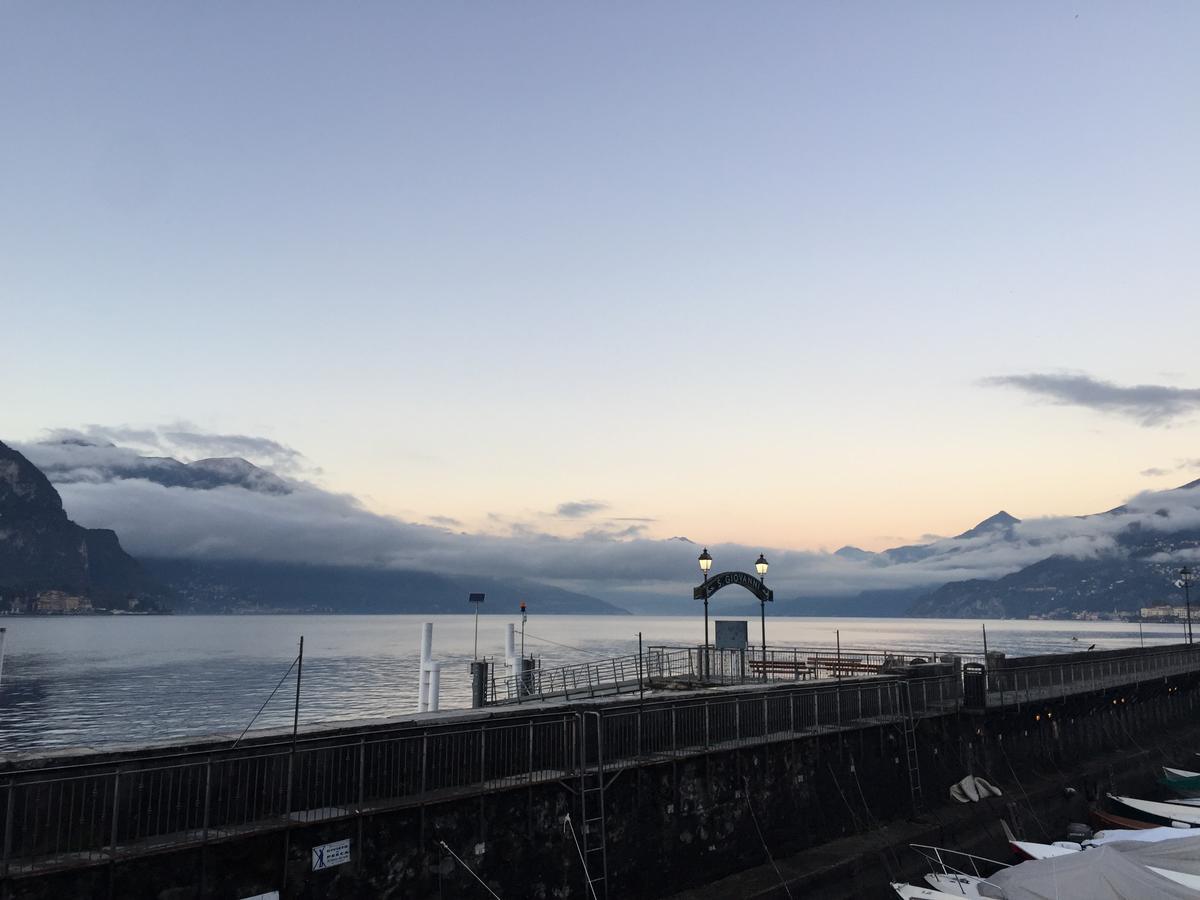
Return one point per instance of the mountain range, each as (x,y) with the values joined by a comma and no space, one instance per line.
(222,534)
(1137,567)
(42,550)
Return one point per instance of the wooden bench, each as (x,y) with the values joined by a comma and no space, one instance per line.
(845,665)
(797,668)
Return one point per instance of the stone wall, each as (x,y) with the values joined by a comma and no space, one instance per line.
(671,824)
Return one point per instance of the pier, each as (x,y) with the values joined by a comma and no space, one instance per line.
(631,778)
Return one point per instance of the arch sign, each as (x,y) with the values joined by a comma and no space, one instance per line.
(756,586)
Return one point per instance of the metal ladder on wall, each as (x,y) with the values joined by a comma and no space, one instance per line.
(909,727)
(591,805)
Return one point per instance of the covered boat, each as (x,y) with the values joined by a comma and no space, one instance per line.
(1100,874)
(1151,835)
(1182,855)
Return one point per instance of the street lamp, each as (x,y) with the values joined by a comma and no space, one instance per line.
(760,566)
(1186,577)
(705,564)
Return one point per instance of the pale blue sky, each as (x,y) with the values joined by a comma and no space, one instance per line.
(737,267)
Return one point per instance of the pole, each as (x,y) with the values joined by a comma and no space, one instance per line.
(641,688)
(838,633)
(296,711)
(1187,599)
(523,617)
(762,611)
(985,650)
(476,653)
(2,632)
(287,832)
(704,667)
(423,670)
(1141,637)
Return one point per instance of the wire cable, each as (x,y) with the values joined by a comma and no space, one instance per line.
(586,874)
(530,634)
(265,702)
(469,869)
(787,890)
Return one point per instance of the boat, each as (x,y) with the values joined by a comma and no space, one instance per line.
(1146,835)
(1176,774)
(1165,812)
(1033,850)
(912,892)
(956,885)
(1104,820)
(1192,881)
(1181,781)
(1101,874)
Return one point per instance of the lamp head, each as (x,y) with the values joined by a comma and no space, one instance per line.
(760,566)
(705,561)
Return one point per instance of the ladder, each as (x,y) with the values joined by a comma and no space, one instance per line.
(913,760)
(591,805)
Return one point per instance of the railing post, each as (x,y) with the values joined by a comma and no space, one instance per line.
(115,812)
(207,796)
(482,756)
(6,849)
(424,760)
(529,767)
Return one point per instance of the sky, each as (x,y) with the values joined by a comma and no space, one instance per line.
(781,275)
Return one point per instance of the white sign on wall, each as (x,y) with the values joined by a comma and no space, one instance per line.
(270,895)
(328,855)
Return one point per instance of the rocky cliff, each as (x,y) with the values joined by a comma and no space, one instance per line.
(43,550)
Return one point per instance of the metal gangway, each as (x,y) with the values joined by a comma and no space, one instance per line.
(681,667)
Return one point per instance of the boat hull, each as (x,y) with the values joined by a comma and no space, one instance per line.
(1162,812)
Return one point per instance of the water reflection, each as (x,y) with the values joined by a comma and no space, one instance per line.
(95,681)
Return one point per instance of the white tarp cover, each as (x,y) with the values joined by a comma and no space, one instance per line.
(1177,855)
(1151,835)
(1101,874)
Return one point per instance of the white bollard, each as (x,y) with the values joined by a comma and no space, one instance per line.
(423,673)
(435,685)
(2,632)
(510,646)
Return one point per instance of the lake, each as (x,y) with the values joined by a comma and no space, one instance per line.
(94,681)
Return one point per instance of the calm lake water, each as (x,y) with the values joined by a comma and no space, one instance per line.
(97,681)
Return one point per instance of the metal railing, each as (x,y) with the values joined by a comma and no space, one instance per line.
(802,663)
(80,815)
(1013,683)
(626,674)
(620,674)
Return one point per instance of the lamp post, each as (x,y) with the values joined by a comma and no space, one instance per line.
(705,564)
(760,566)
(1185,578)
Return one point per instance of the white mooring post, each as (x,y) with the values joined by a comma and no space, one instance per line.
(510,645)
(435,685)
(426,662)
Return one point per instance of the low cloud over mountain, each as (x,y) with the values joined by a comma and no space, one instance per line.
(235,510)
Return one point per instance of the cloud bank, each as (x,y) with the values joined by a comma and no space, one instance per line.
(1149,405)
(308,524)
